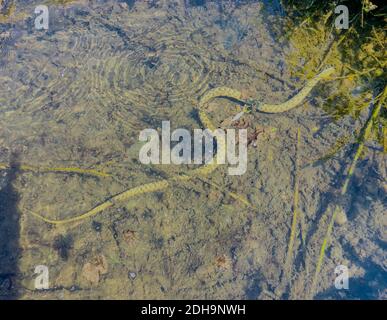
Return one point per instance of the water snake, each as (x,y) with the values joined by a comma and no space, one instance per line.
(250,106)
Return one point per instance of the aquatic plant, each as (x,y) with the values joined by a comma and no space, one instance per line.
(358,54)
(296,209)
(7,9)
(365,135)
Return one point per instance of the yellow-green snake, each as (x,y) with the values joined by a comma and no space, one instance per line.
(205,169)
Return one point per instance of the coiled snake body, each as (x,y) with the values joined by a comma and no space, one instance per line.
(206,122)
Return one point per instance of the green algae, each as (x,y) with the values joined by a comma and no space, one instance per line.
(358,53)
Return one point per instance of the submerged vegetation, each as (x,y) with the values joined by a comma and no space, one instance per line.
(357,53)
(359,56)
(7,8)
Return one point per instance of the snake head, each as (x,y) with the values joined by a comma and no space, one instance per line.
(247,108)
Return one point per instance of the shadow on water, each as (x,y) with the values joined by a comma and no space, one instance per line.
(370,286)
(9,233)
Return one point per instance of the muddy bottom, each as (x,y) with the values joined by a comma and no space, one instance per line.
(77,96)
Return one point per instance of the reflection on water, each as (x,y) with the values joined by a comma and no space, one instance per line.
(77,96)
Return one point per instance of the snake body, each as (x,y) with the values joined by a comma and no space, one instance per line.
(89,172)
(265,107)
(206,122)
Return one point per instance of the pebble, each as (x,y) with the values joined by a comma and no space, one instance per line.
(97,226)
(124,6)
(341,217)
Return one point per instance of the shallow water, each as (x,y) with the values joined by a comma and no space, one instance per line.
(78,95)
